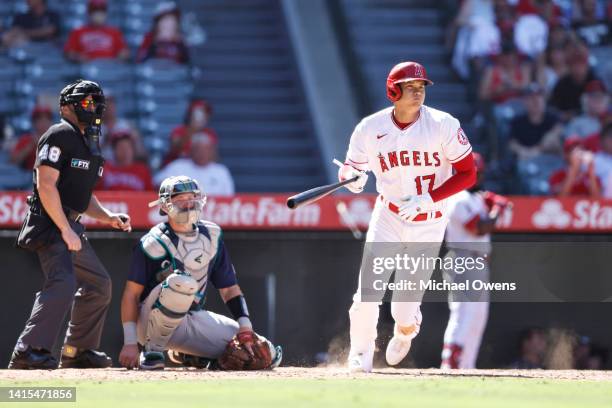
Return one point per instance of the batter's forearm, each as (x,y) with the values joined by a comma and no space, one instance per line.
(463,179)
(52,204)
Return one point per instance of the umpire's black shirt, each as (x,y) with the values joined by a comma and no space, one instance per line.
(64,148)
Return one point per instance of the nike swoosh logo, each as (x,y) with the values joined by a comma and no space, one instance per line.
(381,136)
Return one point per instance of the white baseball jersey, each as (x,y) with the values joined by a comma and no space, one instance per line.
(464,208)
(408,161)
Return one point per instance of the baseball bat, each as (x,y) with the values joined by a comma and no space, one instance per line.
(316,193)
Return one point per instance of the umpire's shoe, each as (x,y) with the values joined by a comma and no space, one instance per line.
(30,359)
(73,357)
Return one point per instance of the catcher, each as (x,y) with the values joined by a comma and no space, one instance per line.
(162,308)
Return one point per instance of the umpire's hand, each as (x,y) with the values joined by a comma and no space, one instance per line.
(72,240)
(121,221)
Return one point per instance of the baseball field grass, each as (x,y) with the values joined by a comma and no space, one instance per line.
(317,387)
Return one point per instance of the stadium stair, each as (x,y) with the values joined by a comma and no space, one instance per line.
(248,73)
(382,33)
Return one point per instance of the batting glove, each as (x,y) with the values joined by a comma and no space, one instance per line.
(347,172)
(413,205)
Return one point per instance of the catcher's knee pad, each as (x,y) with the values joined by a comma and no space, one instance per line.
(175,298)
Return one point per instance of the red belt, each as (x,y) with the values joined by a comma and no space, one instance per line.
(419,217)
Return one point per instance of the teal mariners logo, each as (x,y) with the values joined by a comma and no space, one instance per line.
(80,164)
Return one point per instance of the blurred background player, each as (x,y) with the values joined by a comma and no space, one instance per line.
(473,215)
(162,307)
(413,150)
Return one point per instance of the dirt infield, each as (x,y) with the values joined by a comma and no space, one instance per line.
(118,374)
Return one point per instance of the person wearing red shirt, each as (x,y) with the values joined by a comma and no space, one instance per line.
(96,40)
(124,173)
(24,151)
(165,40)
(196,121)
(573,180)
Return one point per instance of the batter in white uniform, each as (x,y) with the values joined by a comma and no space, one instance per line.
(413,150)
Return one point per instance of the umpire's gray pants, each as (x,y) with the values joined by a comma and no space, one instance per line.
(65,273)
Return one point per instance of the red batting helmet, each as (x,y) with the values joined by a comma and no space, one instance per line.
(404,72)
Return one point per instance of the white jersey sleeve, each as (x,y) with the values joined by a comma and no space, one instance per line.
(455,144)
(462,213)
(357,155)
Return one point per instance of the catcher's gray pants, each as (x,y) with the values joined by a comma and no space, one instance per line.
(65,273)
(200,333)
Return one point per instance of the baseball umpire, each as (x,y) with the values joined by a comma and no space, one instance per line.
(68,165)
(162,308)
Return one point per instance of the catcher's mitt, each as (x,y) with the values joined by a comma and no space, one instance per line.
(238,357)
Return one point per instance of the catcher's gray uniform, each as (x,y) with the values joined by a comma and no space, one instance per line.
(171,313)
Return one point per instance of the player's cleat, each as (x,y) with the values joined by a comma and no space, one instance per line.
(30,359)
(152,360)
(360,362)
(189,360)
(76,358)
(397,349)
(451,356)
(277,357)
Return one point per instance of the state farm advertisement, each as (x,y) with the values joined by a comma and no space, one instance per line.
(339,212)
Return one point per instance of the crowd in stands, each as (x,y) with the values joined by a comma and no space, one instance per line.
(192,145)
(539,74)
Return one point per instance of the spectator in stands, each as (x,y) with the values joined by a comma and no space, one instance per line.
(536,131)
(123,173)
(532,349)
(214,178)
(576,179)
(165,40)
(37,24)
(24,151)
(602,161)
(595,107)
(566,94)
(196,121)
(474,35)
(96,40)
(546,9)
(111,122)
(506,78)
(552,67)
(590,23)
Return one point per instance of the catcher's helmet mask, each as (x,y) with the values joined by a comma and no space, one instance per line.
(404,72)
(186,211)
(75,92)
